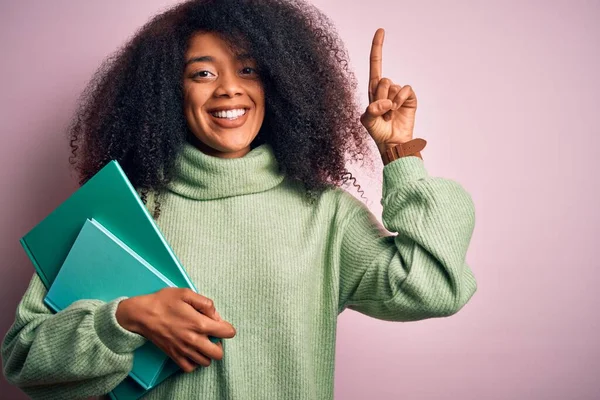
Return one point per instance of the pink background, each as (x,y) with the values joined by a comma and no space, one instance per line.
(508,101)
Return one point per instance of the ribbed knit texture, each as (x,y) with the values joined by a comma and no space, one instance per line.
(279,269)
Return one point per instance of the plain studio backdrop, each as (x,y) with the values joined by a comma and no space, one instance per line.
(508,94)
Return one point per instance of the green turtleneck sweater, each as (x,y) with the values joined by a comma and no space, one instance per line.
(278,268)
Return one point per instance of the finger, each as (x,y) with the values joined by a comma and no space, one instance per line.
(383,89)
(394,89)
(379,107)
(375,110)
(184,363)
(373,84)
(207,326)
(201,304)
(392,92)
(197,358)
(198,343)
(402,95)
(375,61)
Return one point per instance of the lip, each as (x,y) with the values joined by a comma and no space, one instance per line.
(226,123)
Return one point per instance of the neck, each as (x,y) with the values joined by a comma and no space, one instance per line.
(203,176)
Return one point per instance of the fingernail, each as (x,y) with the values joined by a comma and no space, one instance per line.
(394,106)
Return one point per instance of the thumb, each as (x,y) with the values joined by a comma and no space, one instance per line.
(374,111)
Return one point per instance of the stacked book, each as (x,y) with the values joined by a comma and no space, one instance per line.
(102,243)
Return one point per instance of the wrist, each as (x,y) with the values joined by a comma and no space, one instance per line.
(392,150)
(382,147)
(126,315)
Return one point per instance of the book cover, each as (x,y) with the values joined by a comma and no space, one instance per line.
(109,198)
(128,389)
(100,266)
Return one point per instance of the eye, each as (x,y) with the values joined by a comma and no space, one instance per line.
(249,68)
(198,74)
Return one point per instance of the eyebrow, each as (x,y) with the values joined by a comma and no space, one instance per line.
(244,56)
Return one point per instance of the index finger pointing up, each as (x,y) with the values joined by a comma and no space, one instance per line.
(375,61)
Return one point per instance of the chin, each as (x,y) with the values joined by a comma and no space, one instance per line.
(230,146)
(225,146)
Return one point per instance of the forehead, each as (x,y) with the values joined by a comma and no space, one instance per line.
(210,43)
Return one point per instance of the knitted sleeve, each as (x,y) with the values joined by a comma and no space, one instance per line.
(78,352)
(420,272)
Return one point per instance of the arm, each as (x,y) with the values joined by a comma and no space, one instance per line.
(420,273)
(78,352)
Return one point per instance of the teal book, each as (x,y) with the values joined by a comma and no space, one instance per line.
(128,389)
(109,198)
(100,266)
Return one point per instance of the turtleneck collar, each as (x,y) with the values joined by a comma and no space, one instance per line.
(203,177)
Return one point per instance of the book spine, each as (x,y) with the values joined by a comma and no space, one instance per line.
(51,304)
(133,253)
(157,229)
(37,267)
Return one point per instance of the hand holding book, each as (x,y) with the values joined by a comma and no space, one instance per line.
(97,243)
(178,321)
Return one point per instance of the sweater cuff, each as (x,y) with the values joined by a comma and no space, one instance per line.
(111,333)
(402,171)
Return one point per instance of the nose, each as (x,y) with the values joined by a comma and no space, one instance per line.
(228,85)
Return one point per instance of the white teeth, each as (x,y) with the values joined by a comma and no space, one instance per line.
(230,114)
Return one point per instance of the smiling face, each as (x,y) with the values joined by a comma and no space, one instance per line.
(224,101)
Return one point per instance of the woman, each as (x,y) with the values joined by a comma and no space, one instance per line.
(236,117)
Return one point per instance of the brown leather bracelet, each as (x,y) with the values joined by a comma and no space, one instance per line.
(411,148)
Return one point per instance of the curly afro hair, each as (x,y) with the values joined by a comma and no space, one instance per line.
(132,108)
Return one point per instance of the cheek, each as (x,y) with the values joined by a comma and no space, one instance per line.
(194,99)
(192,109)
(257,93)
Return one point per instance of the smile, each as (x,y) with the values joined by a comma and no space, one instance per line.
(229,114)
(229,118)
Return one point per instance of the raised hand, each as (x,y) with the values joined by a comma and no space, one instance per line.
(390,115)
(179,322)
